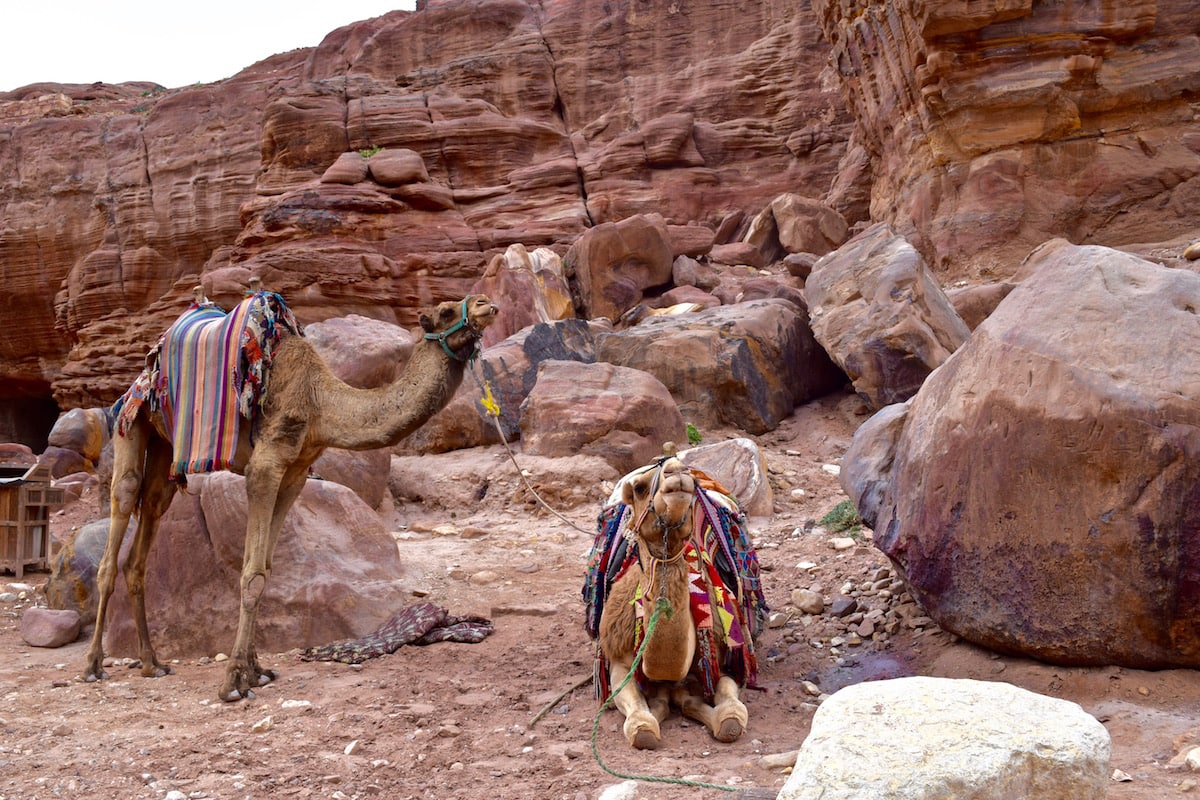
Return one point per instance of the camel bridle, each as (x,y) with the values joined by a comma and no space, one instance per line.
(463,322)
(659,523)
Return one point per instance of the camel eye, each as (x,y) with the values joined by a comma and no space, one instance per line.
(640,489)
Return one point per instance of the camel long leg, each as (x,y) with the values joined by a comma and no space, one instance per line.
(268,497)
(129,454)
(289,490)
(641,722)
(726,718)
(157,492)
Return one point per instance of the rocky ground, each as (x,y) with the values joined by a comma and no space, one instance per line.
(462,721)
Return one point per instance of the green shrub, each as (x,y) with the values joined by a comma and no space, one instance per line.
(367,152)
(843,518)
(693,435)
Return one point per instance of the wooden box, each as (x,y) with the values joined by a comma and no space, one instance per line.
(26,500)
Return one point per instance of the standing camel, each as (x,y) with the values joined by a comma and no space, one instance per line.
(676,536)
(304,410)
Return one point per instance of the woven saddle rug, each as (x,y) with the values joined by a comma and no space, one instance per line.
(207,373)
(726,600)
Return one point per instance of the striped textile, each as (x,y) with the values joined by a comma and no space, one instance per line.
(199,361)
(207,372)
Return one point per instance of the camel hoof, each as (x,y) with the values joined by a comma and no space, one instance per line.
(730,731)
(234,695)
(645,740)
(92,677)
(153,671)
(266,676)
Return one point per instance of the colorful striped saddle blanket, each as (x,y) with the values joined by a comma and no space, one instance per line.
(207,373)
(725,588)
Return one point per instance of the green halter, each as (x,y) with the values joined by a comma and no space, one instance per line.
(440,338)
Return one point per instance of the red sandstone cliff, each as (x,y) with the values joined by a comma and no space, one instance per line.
(381,170)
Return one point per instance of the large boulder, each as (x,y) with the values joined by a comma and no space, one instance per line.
(529,287)
(881,316)
(615,263)
(795,224)
(739,466)
(362,471)
(84,430)
(1043,493)
(72,581)
(746,365)
(335,573)
(363,352)
(619,414)
(937,739)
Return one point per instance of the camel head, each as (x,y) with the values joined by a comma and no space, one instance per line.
(661,501)
(458,324)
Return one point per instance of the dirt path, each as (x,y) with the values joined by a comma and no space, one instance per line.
(454,720)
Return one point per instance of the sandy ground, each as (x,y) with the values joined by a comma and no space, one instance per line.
(457,720)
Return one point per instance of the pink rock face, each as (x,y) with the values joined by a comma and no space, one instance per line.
(995,126)
(1051,468)
(480,135)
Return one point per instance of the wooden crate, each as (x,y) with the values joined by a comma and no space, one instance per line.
(26,500)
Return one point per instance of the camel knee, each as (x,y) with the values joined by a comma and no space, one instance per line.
(125,492)
(253,585)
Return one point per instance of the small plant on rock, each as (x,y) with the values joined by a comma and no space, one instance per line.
(693,435)
(367,152)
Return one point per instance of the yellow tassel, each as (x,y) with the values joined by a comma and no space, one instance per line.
(488,401)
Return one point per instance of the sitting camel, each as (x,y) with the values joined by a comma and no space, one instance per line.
(303,410)
(672,532)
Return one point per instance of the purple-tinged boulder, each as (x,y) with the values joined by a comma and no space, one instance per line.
(84,430)
(335,574)
(49,627)
(1042,493)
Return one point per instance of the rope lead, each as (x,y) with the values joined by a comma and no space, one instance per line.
(660,608)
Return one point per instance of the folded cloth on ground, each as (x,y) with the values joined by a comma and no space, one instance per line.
(424,623)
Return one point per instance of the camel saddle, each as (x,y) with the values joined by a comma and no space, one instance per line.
(207,373)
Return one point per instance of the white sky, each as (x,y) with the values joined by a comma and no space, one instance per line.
(171,43)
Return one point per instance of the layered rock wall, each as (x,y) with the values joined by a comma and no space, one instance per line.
(994,126)
(530,122)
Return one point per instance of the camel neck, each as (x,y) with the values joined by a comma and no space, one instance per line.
(365,419)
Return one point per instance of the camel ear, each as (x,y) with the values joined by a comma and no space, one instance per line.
(426,322)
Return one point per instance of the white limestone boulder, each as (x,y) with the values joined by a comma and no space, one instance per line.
(922,738)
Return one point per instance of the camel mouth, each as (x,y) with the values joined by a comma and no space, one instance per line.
(483,316)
